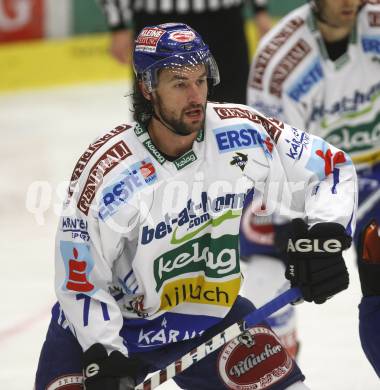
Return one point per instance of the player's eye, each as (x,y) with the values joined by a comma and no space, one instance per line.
(180,85)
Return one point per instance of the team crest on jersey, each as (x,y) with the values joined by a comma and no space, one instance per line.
(254,360)
(240,160)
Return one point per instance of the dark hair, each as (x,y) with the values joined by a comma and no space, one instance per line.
(142,108)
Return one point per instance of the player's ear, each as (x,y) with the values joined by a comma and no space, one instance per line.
(144,90)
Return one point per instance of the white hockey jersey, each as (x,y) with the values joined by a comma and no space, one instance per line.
(147,249)
(292,78)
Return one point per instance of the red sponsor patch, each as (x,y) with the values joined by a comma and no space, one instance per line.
(147,169)
(148,39)
(67,382)
(77,275)
(254,360)
(109,160)
(286,66)
(182,36)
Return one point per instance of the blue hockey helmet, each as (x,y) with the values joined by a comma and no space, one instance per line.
(170,45)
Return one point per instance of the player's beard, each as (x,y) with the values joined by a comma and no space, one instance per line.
(177,124)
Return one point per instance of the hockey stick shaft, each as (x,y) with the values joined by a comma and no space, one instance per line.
(211,345)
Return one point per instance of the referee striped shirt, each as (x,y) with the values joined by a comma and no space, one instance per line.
(119,13)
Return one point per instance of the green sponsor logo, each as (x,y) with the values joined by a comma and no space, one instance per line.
(230,214)
(214,257)
(139,129)
(154,151)
(201,135)
(351,139)
(185,160)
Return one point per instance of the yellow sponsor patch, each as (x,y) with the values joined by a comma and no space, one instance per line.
(199,290)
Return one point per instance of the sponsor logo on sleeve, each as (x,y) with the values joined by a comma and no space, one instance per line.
(132,180)
(78,266)
(287,65)
(91,150)
(109,160)
(324,162)
(267,53)
(306,81)
(272,126)
(298,144)
(254,360)
(148,39)
(78,227)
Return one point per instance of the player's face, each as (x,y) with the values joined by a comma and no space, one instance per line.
(180,98)
(339,13)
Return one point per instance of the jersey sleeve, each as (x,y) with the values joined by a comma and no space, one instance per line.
(86,251)
(305,177)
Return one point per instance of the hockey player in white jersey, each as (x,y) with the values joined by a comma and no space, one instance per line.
(318,70)
(147,254)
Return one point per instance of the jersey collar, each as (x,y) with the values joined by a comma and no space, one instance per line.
(181,162)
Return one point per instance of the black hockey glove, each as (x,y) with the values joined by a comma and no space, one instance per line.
(315,261)
(369,259)
(103,372)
